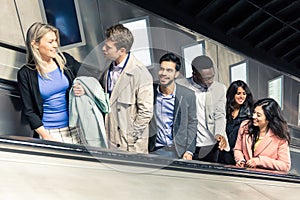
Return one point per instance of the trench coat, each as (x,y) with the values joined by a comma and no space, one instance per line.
(131,103)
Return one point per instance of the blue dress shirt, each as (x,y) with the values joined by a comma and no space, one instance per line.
(164,118)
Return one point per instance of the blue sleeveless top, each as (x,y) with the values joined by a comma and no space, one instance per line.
(53,91)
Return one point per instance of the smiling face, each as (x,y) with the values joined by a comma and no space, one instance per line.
(167,73)
(240,96)
(259,118)
(47,46)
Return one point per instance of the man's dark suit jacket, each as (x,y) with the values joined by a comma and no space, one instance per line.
(184,124)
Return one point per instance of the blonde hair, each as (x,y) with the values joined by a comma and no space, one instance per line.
(34,34)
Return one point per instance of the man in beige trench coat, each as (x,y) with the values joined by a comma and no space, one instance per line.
(129,84)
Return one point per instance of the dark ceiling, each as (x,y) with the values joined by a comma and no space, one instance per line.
(265,30)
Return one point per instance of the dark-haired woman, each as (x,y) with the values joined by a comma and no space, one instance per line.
(239,102)
(263,142)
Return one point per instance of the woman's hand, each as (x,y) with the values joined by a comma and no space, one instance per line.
(78,89)
(44,134)
(50,138)
(252,162)
(241,163)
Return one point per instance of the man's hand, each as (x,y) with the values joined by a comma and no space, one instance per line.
(222,142)
(187,156)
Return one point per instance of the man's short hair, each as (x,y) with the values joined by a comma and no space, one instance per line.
(202,62)
(121,35)
(173,58)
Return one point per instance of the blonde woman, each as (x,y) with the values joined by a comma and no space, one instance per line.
(44,82)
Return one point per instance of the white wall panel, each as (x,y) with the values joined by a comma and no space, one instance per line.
(10,31)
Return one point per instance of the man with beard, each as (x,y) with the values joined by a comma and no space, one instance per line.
(173,127)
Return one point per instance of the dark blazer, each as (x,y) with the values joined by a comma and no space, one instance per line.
(184,124)
(30,94)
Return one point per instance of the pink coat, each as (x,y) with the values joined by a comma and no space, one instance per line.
(273,152)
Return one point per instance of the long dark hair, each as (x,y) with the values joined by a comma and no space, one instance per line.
(230,102)
(274,115)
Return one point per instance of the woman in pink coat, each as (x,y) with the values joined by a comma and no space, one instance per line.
(263,142)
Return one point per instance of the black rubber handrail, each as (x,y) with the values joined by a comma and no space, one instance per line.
(11,47)
(37,147)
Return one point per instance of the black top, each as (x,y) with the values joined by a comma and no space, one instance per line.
(232,128)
